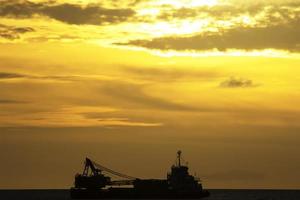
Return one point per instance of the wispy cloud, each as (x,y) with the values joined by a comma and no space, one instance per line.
(167,74)
(10,101)
(8,75)
(134,95)
(13,32)
(11,75)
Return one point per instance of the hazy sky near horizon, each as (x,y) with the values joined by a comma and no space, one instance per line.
(130,82)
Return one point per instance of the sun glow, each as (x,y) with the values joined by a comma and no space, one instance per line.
(179,27)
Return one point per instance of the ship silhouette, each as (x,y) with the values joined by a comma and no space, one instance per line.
(94,184)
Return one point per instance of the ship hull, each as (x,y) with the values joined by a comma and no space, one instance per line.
(130,193)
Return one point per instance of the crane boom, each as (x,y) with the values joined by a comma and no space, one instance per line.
(101,167)
(92,176)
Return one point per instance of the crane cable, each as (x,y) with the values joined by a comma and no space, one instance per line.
(113,172)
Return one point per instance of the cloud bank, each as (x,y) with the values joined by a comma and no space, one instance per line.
(68,13)
(282,37)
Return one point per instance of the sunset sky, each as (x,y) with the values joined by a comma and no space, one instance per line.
(129,82)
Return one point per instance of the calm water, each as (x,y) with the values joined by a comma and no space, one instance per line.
(215,195)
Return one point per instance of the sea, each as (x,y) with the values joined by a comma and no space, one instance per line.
(216,194)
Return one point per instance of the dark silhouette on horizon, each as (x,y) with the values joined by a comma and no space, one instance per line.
(92,183)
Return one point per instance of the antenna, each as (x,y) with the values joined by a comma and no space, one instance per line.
(179,157)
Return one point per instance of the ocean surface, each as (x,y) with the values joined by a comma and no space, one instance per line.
(215,195)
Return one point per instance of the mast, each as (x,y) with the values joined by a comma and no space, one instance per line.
(179,157)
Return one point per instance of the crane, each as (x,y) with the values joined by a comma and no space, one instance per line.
(92,176)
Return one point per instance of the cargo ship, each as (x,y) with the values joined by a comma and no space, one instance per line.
(94,183)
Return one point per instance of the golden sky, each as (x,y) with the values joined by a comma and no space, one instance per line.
(139,79)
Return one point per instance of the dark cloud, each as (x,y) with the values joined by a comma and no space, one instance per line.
(219,11)
(67,13)
(11,75)
(9,101)
(237,83)
(228,11)
(12,32)
(282,37)
(7,75)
